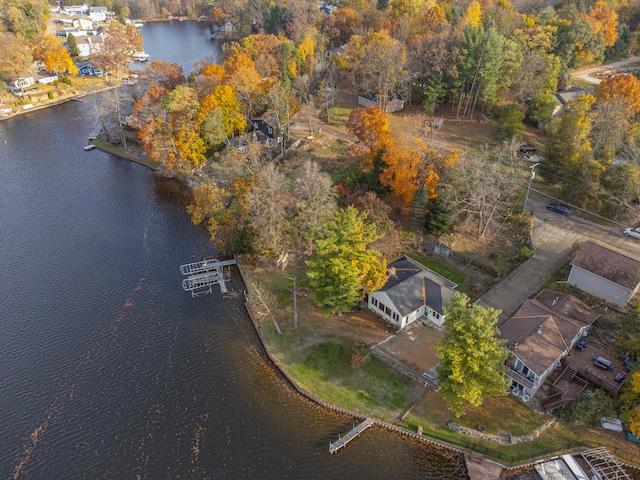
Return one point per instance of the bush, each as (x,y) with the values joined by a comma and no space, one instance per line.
(50,95)
(589,408)
(511,121)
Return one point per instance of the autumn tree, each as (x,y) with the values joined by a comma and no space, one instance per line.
(241,75)
(371,128)
(25,18)
(604,21)
(342,269)
(625,86)
(377,62)
(207,206)
(163,74)
(411,164)
(172,136)
(472,358)
(15,54)
(120,42)
(221,115)
(50,52)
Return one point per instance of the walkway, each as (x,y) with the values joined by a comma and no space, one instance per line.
(342,442)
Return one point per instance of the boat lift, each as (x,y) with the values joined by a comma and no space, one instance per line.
(201,276)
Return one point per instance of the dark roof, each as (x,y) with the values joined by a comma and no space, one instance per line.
(245,140)
(613,266)
(406,284)
(542,329)
(572,93)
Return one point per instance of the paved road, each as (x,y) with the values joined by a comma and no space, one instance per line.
(553,238)
(586,73)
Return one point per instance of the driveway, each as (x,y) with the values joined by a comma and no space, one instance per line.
(553,237)
(586,73)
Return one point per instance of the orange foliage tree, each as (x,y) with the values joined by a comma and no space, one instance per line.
(604,20)
(56,59)
(625,86)
(412,164)
(371,128)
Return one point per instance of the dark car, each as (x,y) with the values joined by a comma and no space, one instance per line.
(527,148)
(558,208)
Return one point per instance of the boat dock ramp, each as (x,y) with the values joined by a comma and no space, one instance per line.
(355,432)
(201,276)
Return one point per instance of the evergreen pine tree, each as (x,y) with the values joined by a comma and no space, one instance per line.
(438,219)
(419,208)
(73,45)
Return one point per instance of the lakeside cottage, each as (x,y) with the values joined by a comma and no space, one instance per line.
(539,335)
(412,292)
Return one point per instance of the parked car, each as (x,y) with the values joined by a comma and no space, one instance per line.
(527,148)
(632,232)
(559,208)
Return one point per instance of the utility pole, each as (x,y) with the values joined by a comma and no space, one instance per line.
(531,177)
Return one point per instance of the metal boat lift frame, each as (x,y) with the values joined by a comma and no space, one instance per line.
(201,276)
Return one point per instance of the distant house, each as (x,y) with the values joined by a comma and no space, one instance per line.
(17,85)
(563,98)
(328,9)
(83,24)
(268,126)
(371,99)
(339,51)
(87,69)
(75,10)
(243,142)
(539,335)
(412,292)
(89,45)
(223,27)
(606,274)
(98,14)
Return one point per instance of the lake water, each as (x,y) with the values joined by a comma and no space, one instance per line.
(108,369)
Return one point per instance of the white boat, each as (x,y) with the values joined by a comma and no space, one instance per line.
(95,135)
(91,146)
(139,25)
(140,57)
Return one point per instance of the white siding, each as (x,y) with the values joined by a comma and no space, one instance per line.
(598,286)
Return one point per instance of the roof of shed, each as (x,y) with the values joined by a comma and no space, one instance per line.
(613,266)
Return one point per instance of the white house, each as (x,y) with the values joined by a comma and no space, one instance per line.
(606,274)
(83,24)
(412,292)
(539,336)
(98,14)
(75,10)
(18,84)
(371,99)
(89,45)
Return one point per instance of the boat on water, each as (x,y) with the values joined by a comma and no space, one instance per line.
(95,135)
(91,146)
(139,25)
(140,57)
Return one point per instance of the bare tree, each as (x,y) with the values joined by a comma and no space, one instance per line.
(483,188)
(112,108)
(316,196)
(268,203)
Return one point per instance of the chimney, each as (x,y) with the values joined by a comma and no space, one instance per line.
(555,300)
(392,271)
(539,330)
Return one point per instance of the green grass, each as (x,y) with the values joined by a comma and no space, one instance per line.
(444,270)
(373,389)
(339,115)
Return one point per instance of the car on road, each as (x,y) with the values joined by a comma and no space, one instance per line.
(632,232)
(559,208)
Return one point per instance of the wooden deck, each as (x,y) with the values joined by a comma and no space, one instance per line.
(342,442)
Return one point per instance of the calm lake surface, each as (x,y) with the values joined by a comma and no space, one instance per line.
(109,370)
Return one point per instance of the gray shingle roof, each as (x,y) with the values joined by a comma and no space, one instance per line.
(409,281)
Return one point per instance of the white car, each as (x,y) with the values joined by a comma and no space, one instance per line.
(632,232)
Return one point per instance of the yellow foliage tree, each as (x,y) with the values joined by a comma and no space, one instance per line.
(604,20)
(372,129)
(626,86)
(52,54)
(473,14)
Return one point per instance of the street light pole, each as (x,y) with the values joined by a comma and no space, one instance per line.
(531,177)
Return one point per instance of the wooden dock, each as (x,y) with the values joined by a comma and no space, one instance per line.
(342,442)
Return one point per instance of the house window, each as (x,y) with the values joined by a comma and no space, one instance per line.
(270,130)
(242,149)
(437,315)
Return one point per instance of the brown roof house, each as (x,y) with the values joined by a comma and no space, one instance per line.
(605,274)
(412,292)
(539,335)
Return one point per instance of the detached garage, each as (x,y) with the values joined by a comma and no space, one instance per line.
(605,274)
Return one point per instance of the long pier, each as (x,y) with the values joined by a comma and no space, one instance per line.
(355,432)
